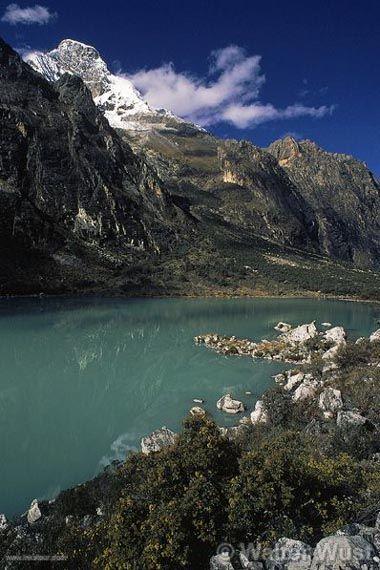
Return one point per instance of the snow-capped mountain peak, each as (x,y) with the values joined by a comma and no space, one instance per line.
(116,95)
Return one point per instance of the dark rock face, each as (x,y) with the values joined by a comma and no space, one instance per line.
(343,194)
(66,178)
(258,193)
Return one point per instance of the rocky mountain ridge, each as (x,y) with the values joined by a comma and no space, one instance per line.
(89,207)
(116,96)
(322,201)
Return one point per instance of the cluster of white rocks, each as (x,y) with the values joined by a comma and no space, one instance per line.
(291,345)
(300,384)
(353,547)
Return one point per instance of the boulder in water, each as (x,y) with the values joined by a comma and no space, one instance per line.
(229,405)
(283,327)
(197,411)
(300,334)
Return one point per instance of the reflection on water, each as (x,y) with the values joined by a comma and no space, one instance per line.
(82,380)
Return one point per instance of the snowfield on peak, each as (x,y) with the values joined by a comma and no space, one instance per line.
(115,95)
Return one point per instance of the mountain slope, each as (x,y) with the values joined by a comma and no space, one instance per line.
(67,181)
(343,194)
(291,193)
(181,213)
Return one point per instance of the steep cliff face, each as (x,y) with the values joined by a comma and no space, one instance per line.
(66,178)
(258,194)
(343,194)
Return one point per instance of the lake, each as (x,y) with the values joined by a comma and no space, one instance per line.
(82,380)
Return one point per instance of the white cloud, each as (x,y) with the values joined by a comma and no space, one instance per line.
(37,14)
(244,116)
(229,92)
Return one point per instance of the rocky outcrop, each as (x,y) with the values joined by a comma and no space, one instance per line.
(197,412)
(229,405)
(157,440)
(34,513)
(300,334)
(353,547)
(330,401)
(307,389)
(341,192)
(375,336)
(291,346)
(344,552)
(350,419)
(336,335)
(3,522)
(290,554)
(221,562)
(259,414)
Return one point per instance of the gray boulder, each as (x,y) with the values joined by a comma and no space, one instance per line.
(221,562)
(157,440)
(34,512)
(307,389)
(234,431)
(356,529)
(197,412)
(330,401)
(344,552)
(349,419)
(301,334)
(294,378)
(290,554)
(331,353)
(259,414)
(337,335)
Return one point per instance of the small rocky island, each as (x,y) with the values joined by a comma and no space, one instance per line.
(295,484)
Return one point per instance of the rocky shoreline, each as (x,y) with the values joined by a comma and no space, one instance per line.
(316,383)
(355,545)
(297,345)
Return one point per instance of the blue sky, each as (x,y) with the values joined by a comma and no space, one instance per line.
(317,75)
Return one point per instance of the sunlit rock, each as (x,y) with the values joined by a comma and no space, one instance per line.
(157,440)
(229,405)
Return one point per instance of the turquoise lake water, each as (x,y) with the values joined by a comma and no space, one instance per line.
(82,380)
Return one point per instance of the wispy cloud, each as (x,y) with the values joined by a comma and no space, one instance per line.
(37,14)
(229,93)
